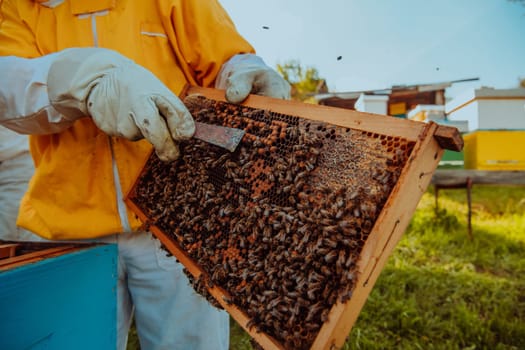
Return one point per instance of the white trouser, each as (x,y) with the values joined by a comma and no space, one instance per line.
(14,177)
(169,314)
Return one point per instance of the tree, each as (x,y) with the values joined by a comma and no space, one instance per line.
(305,81)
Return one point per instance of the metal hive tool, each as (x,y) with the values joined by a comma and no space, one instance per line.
(276,231)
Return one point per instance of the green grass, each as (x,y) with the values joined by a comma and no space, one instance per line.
(441,290)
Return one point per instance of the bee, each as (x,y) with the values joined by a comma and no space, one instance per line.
(312,293)
(195,219)
(331,256)
(251,323)
(345,296)
(344,225)
(324,315)
(273,304)
(290,321)
(300,176)
(302,207)
(299,185)
(276,314)
(314,277)
(340,261)
(314,151)
(281,236)
(367,225)
(332,229)
(281,167)
(326,222)
(238,181)
(339,214)
(384,179)
(244,191)
(227,300)
(349,261)
(242,242)
(247,165)
(292,295)
(309,166)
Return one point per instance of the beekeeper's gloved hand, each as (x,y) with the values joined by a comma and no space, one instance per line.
(246,74)
(123,98)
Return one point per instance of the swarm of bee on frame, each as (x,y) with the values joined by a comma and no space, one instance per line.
(280,223)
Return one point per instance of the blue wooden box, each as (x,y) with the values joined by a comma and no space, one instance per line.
(65,301)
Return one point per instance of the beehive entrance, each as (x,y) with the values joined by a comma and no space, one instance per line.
(280,223)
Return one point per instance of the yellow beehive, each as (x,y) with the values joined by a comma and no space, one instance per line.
(495,150)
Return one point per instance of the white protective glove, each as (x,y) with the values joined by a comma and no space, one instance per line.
(123,98)
(246,74)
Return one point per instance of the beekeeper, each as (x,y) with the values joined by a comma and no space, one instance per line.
(95,84)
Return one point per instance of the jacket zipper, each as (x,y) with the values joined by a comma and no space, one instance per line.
(121,206)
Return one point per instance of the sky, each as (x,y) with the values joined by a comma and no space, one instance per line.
(382,43)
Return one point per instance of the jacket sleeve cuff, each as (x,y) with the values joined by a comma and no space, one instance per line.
(24,100)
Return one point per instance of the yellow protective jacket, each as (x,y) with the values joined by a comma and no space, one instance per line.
(72,194)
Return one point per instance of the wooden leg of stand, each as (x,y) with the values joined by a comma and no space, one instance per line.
(469,203)
(436,194)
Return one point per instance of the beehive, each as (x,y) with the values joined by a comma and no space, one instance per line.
(289,232)
(499,150)
(52,294)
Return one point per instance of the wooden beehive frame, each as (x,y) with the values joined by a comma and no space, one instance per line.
(16,254)
(430,141)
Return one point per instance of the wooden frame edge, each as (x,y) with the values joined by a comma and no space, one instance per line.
(363,121)
(393,221)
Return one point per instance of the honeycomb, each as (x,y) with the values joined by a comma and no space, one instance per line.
(280,223)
